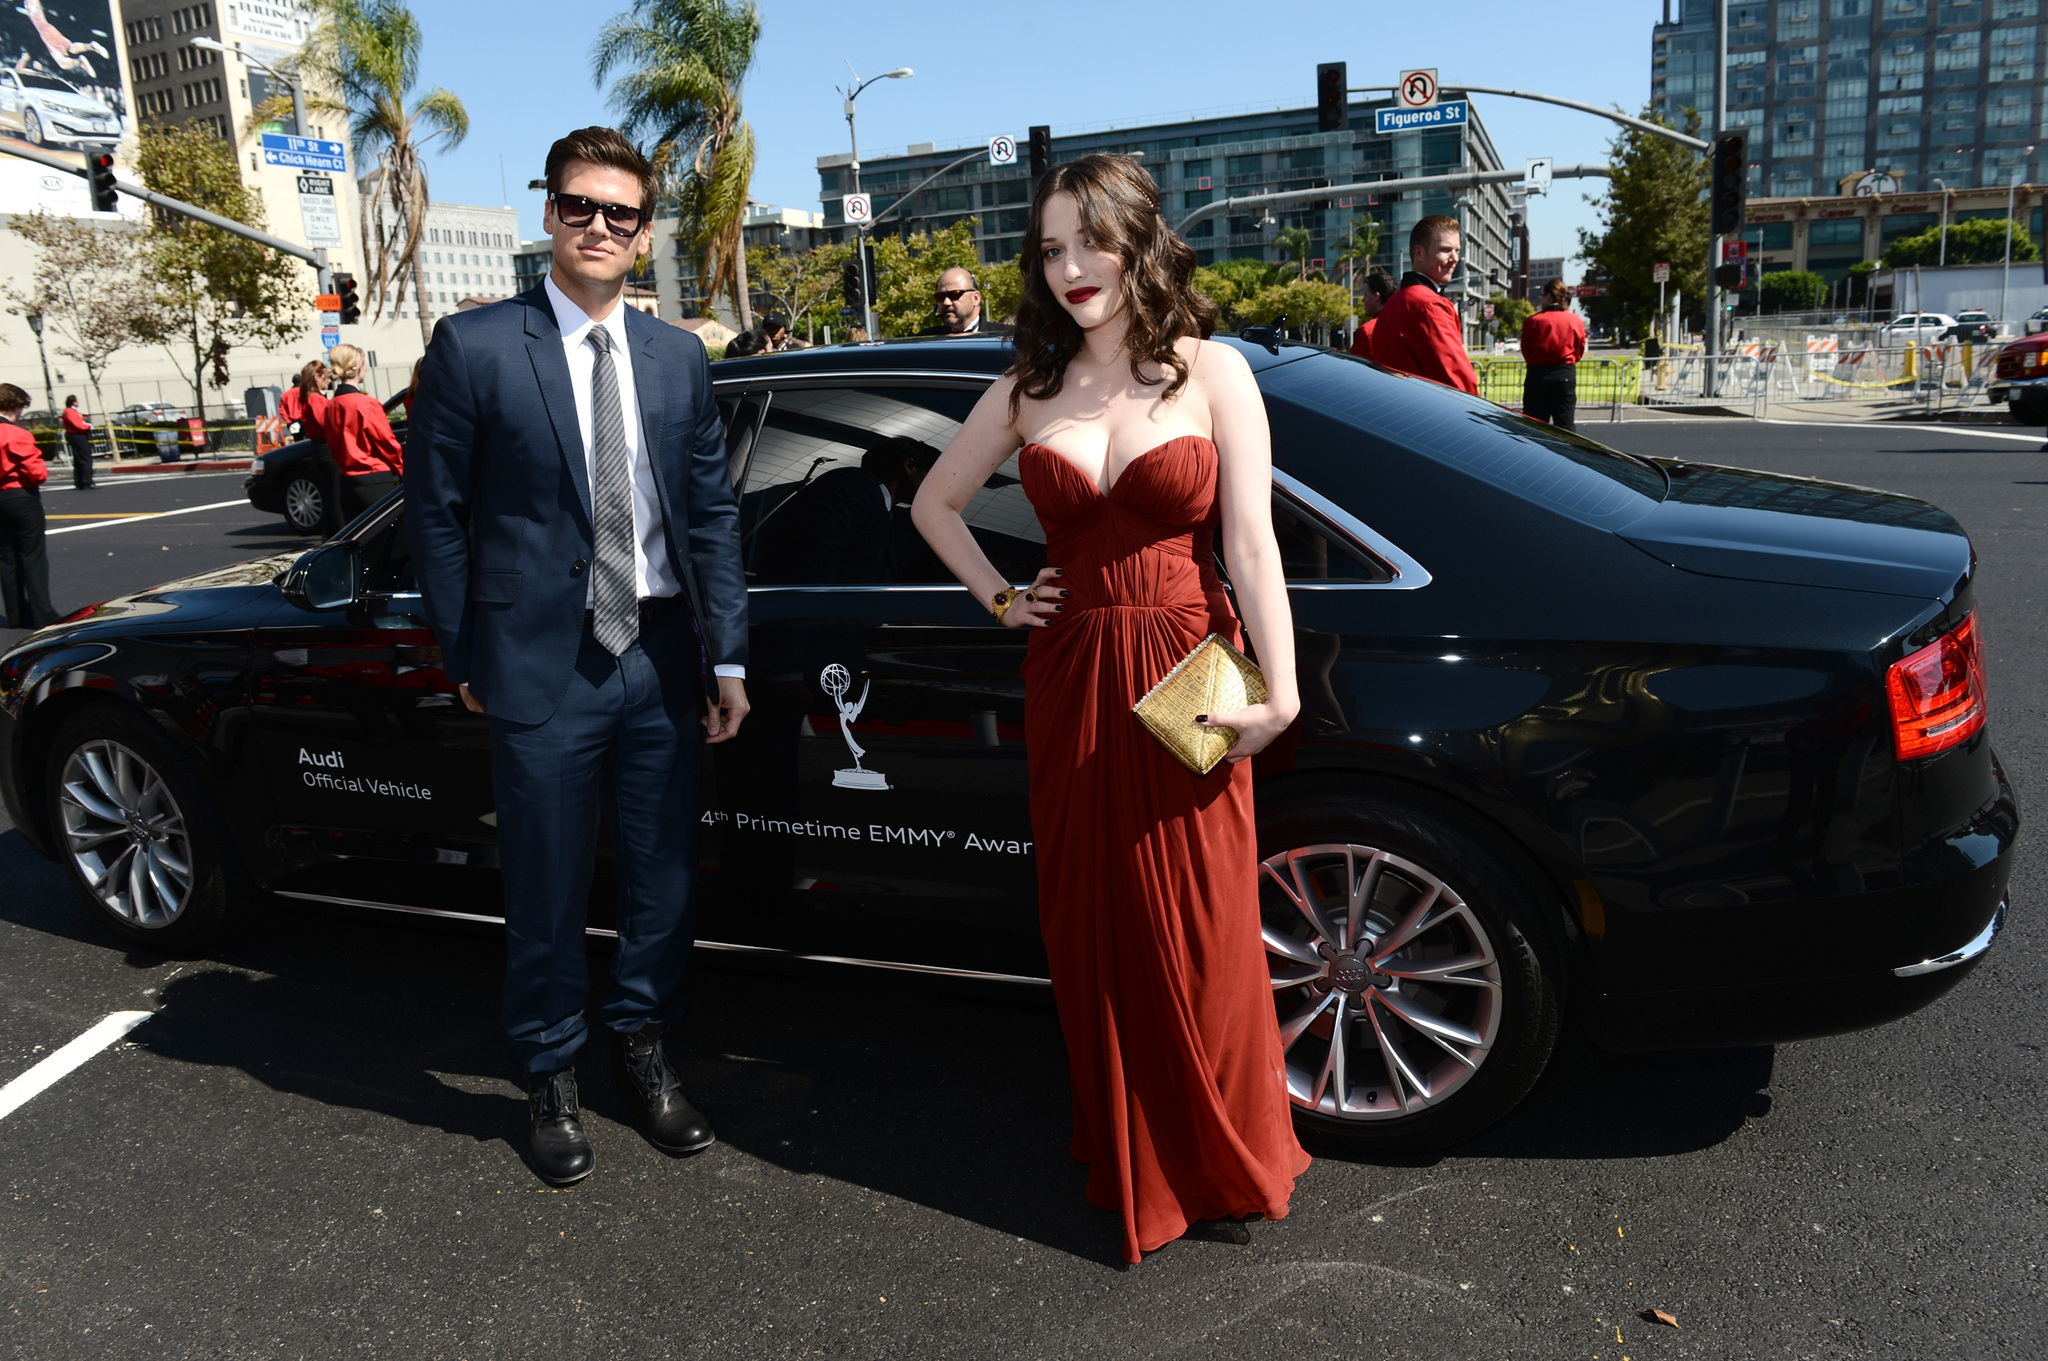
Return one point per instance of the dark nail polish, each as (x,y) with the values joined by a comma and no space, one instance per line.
(1201,718)
(1059,571)
(1057,608)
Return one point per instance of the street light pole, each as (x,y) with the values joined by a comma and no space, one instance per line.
(298,92)
(1713,327)
(1944,219)
(860,233)
(2005,277)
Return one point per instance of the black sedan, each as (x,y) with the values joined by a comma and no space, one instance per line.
(1691,755)
(301,482)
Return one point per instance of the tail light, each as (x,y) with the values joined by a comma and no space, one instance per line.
(1937,693)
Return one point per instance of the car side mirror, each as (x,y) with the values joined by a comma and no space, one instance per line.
(328,578)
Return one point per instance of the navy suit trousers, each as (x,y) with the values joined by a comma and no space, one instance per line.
(627,732)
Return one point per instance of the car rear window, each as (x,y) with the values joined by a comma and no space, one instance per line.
(1564,472)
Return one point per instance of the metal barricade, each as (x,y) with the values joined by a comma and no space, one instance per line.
(1612,383)
(1691,379)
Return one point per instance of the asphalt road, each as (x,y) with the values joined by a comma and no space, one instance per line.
(309,1149)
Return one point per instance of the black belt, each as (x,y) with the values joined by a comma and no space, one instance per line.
(653,609)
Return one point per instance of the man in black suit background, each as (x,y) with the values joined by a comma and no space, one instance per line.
(957,300)
(574,528)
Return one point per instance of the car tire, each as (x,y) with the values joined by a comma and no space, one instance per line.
(136,822)
(1374,851)
(32,127)
(307,505)
(2029,412)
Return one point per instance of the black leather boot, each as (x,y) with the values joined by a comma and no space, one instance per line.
(672,1124)
(561,1150)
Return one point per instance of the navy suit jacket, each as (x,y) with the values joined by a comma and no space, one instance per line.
(497,498)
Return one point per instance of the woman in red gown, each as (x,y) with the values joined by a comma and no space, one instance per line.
(1141,441)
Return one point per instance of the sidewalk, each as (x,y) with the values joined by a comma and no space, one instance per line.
(1827,410)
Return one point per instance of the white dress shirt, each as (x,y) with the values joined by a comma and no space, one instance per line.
(653,572)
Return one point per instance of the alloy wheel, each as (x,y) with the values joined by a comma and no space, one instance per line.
(33,126)
(304,505)
(1386,983)
(125,834)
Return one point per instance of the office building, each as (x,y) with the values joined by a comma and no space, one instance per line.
(674,264)
(1858,96)
(1542,269)
(466,255)
(1197,161)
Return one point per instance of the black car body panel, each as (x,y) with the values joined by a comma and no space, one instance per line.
(1658,687)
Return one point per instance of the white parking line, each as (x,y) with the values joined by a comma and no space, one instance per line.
(53,1069)
(141,519)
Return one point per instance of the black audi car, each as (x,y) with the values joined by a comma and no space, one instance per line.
(1683,754)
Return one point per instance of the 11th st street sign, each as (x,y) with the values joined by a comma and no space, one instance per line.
(303,153)
(1451,113)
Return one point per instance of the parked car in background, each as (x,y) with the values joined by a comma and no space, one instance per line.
(142,413)
(302,482)
(2038,323)
(1913,328)
(2021,379)
(1966,331)
(50,111)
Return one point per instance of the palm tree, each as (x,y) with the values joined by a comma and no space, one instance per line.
(682,63)
(362,61)
(1293,243)
(1359,248)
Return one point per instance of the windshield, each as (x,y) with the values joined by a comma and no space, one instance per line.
(36,82)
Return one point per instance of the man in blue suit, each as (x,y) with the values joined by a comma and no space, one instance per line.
(576,538)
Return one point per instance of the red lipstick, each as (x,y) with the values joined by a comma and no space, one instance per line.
(1077,296)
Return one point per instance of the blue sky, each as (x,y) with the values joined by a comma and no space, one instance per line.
(984,69)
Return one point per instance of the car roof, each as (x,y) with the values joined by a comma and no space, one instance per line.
(989,355)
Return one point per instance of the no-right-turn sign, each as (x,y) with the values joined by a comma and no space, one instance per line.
(1416,89)
(860,209)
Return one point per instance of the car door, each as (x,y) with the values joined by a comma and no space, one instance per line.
(379,775)
(875,802)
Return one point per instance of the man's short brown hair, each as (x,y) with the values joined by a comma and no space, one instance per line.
(606,147)
(1424,234)
(12,398)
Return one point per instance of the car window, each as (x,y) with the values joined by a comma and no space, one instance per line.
(387,560)
(1311,551)
(813,507)
(34,82)
(1565,472)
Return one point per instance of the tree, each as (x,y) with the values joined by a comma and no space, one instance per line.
(1302,303)
(1228,282)
(1294,244)
(1790,290)
(1975,241)
(683,62)
(1358,250)
(909,270)
(799,283)
(1002,288)
(1508,316)
(213,290)
(1653,211)
(89,288)
(362,61)
(1219,288)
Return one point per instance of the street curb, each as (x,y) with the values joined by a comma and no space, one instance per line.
(223,465)
(1954,417)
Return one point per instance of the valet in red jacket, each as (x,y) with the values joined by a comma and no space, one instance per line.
(24,562)
(359,437)
(1553,343)
(1418,331)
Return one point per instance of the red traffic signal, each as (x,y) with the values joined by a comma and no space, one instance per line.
(1728,182)
(99,174)
(1333,105)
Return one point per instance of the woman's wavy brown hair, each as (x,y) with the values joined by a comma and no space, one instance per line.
(1120,212)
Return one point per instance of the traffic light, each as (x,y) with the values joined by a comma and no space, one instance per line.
(1333,107)
(1730,277)
(1728,182)
(351,304)
(856,284)
(99,173)
(1041,150)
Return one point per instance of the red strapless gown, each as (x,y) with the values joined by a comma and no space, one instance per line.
(1148,873)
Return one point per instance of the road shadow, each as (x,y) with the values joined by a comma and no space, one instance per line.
(948,1095)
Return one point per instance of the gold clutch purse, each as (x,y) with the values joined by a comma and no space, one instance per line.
(1215,678)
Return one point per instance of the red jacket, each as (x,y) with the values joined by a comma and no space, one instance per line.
(1418,333)
(1553,336)
(21,463)
(1361,343)
(309,412)
(74,419)
(359,435)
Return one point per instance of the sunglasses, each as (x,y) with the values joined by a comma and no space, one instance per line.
(954,294)
(620,219)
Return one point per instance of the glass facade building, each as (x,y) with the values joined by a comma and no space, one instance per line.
(1833,89)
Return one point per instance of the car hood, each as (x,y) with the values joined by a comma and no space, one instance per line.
(78,104)
(1728,522)
(190,600)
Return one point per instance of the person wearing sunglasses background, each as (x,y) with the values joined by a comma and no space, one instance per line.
(577,545)
(957,299)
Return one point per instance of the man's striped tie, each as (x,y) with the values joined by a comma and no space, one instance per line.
(616,603)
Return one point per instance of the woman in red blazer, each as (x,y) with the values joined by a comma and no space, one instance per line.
(359,436)
(304,404)
(1553,342)
(24,564)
